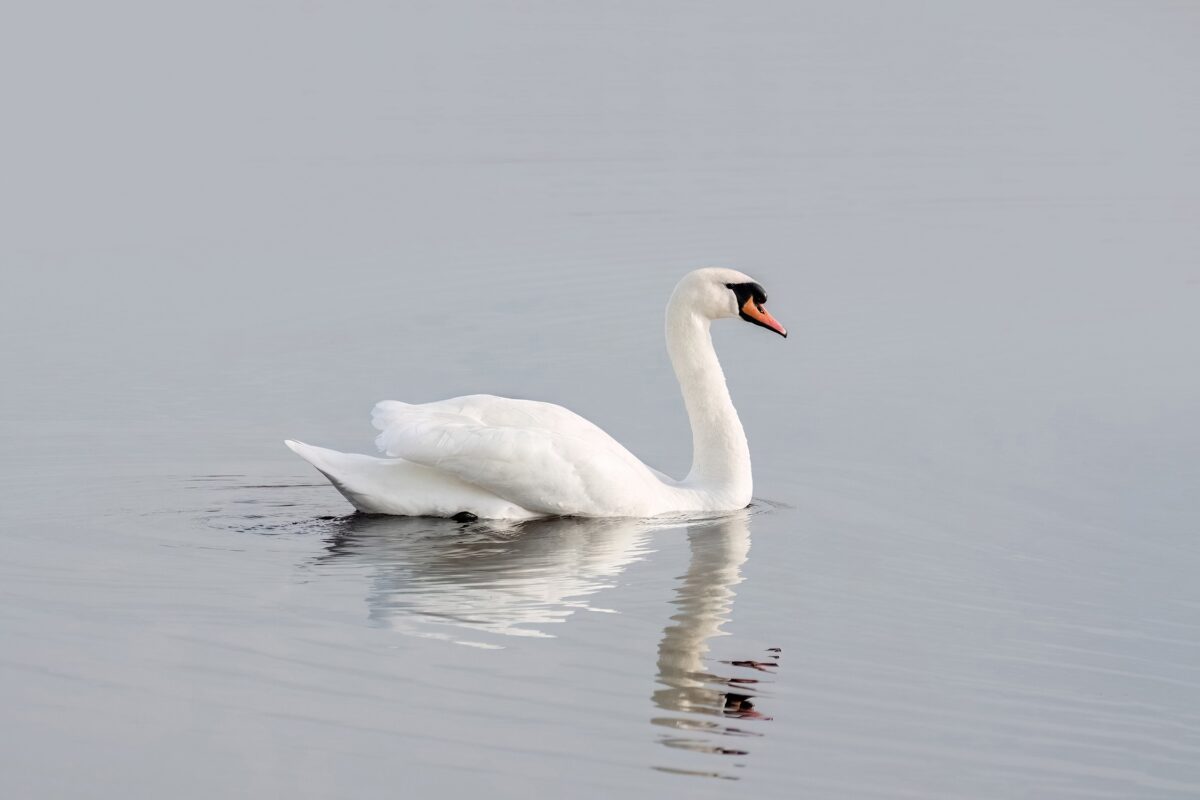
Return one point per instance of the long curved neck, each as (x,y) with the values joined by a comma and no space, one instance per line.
(720,454)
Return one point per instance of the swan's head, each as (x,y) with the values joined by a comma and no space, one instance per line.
(723,293)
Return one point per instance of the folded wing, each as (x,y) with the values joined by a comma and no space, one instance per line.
(538,455)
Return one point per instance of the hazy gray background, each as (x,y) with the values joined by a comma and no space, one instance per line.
(226,224)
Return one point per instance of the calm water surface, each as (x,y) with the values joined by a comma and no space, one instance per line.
(970,567)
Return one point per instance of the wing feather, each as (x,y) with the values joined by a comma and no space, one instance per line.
(540,456)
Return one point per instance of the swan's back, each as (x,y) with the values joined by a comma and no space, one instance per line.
(488,409)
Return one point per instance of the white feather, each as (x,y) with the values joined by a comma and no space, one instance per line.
(540,456)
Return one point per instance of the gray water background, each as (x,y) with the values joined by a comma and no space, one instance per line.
(976,456)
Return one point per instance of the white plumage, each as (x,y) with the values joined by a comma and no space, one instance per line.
(501,458)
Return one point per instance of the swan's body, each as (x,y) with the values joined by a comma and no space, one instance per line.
(499,458)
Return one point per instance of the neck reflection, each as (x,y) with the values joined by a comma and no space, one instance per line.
(701,701)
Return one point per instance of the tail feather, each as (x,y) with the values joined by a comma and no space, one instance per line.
(395,486)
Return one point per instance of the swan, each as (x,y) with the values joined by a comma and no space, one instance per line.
(487,457)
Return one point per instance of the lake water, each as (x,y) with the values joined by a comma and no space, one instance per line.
(970,570)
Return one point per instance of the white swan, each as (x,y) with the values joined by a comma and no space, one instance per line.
(499,458)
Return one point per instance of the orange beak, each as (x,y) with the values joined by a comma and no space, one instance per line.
(753,312)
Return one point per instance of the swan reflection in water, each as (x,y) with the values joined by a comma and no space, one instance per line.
(477,583)
(445,580)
